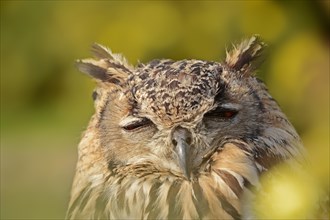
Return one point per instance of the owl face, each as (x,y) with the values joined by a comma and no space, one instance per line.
(177,114)
(177,139)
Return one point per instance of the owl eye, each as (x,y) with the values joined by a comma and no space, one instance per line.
(228,113)
(136,124)
(220,112)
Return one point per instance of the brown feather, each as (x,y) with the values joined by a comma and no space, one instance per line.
(246,56)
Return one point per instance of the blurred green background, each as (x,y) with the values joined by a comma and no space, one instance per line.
(46,103)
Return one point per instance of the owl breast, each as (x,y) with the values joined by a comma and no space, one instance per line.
(142,191)
(176,91)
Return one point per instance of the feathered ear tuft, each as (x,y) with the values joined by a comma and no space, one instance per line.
(246,56)
(102,52)
(107,67)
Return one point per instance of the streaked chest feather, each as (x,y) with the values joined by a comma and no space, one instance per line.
(142,192)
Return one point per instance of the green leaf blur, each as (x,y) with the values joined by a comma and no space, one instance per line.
(46,103)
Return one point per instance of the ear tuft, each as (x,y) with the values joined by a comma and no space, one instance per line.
(92,68)
(107,67)
(101,52)
(246,56)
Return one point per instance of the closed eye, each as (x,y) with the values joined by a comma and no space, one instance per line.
(134,124)
(222,113)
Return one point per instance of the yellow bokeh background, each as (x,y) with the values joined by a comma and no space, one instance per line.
(46,103)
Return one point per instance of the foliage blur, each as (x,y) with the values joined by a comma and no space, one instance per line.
(46,103)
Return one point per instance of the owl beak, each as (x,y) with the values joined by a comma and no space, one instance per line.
(181,140)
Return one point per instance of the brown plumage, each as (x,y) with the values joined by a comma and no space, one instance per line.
(178,139)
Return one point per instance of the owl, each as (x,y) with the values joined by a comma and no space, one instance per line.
(184,139)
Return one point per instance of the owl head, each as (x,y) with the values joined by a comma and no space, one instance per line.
(176,114)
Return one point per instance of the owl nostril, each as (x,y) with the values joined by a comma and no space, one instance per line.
(181,134)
